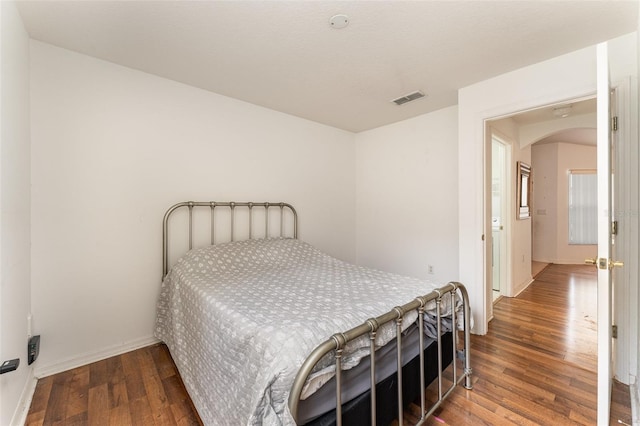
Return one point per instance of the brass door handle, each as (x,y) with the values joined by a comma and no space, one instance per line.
(614,263)
(604,263)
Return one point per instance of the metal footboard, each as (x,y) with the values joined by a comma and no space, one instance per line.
(338,341)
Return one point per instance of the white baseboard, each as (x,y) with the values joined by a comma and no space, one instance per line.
(94,356)
(22,409)
(524,287)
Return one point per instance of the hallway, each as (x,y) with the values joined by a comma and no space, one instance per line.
(556,315)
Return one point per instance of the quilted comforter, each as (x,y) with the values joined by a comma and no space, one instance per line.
(240,318)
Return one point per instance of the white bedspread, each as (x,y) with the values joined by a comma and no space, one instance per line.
(240,318)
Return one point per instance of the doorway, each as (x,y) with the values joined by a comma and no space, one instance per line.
(563,78)
(516,241)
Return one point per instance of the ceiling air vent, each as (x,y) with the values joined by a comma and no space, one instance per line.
(408,98)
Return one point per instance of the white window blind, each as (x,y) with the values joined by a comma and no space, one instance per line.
(583,207)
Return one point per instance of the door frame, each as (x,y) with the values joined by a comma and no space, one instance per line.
(490,99)
(487,314)
(508,213)
(625,312)
(506,201)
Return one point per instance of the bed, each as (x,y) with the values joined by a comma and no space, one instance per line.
(266,329)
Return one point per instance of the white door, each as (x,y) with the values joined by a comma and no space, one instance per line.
(497,215)
(604,261)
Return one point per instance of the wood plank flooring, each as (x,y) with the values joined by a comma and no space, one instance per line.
(536,366)
(142,387)
(537,267)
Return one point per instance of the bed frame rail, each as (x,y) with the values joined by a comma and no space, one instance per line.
(232,206)
(338,341)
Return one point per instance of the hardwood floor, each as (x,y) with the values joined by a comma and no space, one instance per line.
(536,366)
(537,267)
(137,388)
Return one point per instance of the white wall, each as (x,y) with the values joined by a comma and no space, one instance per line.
(545,201)
(407,188)
(112,149)
(552,163)
(15,205)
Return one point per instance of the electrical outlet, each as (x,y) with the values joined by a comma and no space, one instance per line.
(33,349)
(430,269)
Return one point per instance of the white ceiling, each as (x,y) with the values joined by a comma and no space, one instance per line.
(582,107)
(570,132)
(580,136)
(284,55)
(543,126)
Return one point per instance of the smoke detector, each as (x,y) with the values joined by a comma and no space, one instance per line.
(339,21)
(408,98)
(562,111)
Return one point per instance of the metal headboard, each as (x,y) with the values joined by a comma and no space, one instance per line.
(231,205)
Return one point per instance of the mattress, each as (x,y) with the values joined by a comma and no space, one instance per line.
(240,318)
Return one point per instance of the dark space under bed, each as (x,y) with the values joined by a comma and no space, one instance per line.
(358,411)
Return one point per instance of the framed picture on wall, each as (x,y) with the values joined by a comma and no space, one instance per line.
(523,188)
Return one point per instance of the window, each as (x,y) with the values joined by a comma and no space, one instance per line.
(583,207)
